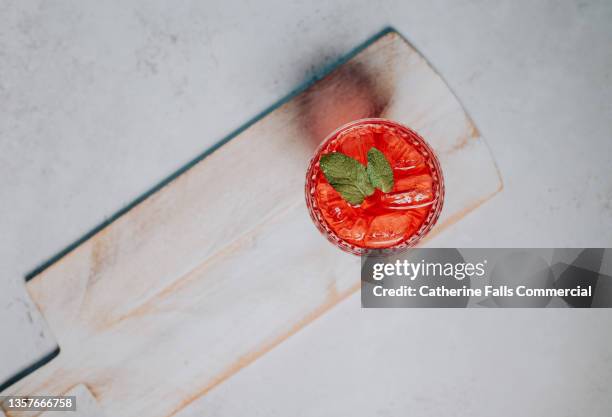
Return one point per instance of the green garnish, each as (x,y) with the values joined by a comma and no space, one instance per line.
(352,180)
(347,176)
(379,171)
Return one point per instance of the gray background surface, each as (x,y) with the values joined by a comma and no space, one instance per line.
(101,100)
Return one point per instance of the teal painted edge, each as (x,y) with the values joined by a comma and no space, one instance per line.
(28,370)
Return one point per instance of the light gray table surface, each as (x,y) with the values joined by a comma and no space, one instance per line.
(99,101)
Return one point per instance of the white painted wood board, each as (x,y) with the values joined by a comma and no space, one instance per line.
(222,264)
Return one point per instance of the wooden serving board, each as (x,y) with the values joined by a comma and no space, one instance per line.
(212,271)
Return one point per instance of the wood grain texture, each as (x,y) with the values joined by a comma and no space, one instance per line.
(223,263)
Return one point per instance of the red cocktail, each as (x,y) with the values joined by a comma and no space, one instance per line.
(374,184)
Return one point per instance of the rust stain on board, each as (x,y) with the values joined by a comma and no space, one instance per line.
(471,133)
(103,252)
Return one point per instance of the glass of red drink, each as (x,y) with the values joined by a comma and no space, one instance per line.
(387,221)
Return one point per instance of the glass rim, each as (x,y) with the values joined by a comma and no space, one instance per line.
(410,241)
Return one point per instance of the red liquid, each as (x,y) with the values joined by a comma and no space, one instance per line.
(391,220)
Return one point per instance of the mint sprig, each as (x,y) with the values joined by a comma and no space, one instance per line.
(348,176)
(354,181)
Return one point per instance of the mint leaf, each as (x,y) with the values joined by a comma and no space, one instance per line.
(379,170)
(347,176)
